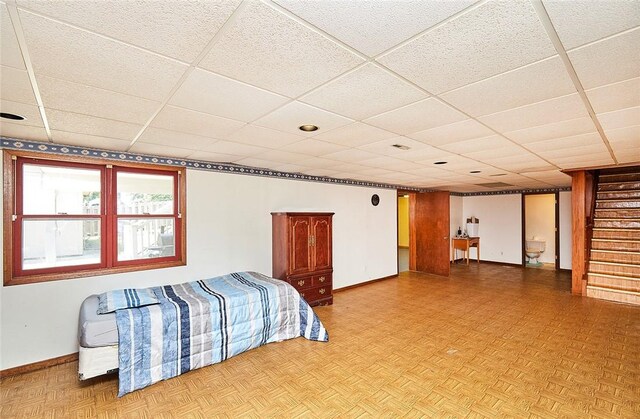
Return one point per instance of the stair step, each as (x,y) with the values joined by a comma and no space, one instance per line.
(615,268)
(617,282)
(616,233)
(615,244)
(618,186)
(618,203)
(619,177)
(617,213)
(612,294)
(626,194)
(614,256)
(616,223)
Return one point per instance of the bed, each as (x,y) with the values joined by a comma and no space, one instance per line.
(157,333)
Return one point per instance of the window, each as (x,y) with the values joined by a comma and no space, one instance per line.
(66,219)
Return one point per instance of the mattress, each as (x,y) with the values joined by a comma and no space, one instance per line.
(93,362)
(96,330)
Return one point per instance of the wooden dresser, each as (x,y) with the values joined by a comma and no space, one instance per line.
(302,253)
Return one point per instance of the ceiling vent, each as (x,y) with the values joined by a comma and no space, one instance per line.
(494,185)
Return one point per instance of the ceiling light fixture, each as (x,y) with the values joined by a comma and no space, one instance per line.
(308,127)
(11,116)
(440,162)
(499,174)
(401,147)
(475,171)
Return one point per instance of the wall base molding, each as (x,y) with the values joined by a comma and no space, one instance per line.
(364,283)
(23,369)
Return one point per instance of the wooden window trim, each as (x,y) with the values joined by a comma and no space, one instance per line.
(9,191)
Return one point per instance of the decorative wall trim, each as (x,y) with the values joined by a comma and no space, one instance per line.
(48,148)
(60,149)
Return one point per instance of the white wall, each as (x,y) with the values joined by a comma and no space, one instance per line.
(500,228)
(228,229)
(565,230)
(540,222)
(455,216)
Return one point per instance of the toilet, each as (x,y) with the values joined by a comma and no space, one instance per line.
(533,249)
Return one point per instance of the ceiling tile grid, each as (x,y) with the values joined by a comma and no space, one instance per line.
(479,85)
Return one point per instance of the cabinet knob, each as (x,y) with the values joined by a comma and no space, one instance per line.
(321,279)
(301,282)
(321,291)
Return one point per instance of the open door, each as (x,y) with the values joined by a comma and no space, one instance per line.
(429,233)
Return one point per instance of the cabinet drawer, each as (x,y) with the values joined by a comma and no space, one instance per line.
(322,280)
(312,295)
(301,283)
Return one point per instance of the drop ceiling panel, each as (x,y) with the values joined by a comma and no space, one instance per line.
(10,54)
(291,168)
(365,92)
(523,162)
(176,29)
(366,25)
(292,115)
(197,123)
(313,147)
(458,131)
(488,40)
(263,137)
(85,124)
(254,162)
(263,54)
(236,149)
(620,119)
(218,95)
(160,150)
(533,83)
(477,144)
(175,139)
(541,113)
(583,151)
(578,22)
(416,117)
(505,150)
(348,167)
(320,172)
(625,143)
(625,94)
(29,112)
(282,156)
(555,130)
(68,53)
(22,132)
(318,162)
(386,147)
(574,162)
(608,61)
(209,156)
(92,141)
(351,155)
(391,163)
(565,143)
(424,153)
(79,98)
(354,135)
(15,85)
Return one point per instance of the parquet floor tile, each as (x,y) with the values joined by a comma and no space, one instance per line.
(490,341)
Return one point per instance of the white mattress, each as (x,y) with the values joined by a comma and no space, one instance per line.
(93,362)
(96,330)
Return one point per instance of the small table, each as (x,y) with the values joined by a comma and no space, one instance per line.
(464,243)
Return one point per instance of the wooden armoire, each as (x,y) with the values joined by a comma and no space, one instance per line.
(302,253)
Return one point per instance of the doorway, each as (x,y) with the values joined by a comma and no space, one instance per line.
(540,236)
(403,232)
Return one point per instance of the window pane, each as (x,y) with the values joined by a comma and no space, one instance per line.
(144,238)
(52,243)
(60,190)
(140,193)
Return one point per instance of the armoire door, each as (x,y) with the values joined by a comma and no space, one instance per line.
(429,236)
(321,243)
(300,238)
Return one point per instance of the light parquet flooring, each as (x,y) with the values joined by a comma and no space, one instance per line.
(490,341)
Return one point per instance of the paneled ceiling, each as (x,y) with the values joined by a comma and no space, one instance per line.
(503,91)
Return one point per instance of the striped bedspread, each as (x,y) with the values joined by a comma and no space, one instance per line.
(204,322)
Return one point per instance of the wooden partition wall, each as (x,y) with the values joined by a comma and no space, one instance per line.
(582,202)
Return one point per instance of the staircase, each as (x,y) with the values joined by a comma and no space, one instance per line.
(614,265)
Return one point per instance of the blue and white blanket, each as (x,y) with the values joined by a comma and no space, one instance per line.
(204,322)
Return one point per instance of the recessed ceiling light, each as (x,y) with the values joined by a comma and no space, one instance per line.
(475,171)
(499,174)
(11,116)
(308,127)
(440,162)
(401,147)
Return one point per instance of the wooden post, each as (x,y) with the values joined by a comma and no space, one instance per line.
(581,209)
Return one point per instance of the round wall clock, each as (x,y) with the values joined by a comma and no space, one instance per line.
(375,200)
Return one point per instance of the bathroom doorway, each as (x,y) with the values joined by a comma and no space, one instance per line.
(403,231)
(540,235)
